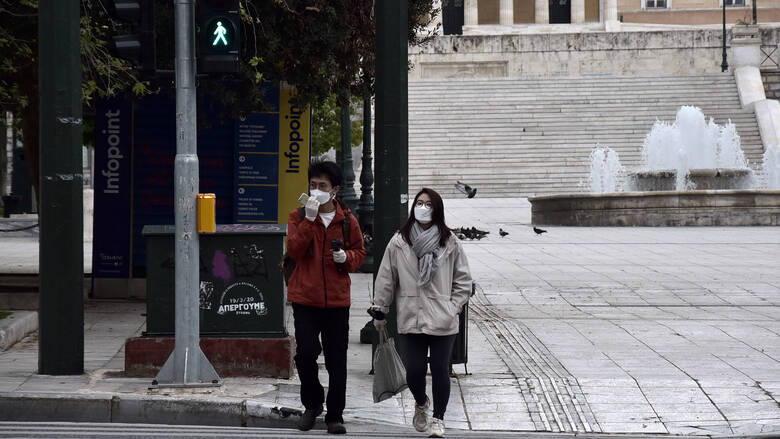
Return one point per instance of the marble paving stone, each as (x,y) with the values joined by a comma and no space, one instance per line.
(769,427)
(505,424)
(633,427)
(713,428)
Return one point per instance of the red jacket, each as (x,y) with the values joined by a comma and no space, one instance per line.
(316,281)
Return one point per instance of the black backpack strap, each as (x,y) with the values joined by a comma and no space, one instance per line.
(346,224)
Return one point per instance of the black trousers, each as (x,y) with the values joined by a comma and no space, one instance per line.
(332,324)
(416,352)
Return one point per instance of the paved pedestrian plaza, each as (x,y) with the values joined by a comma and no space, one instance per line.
(613,330)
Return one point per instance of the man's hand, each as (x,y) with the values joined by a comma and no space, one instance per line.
(339,256)
(312,209)
(380,324)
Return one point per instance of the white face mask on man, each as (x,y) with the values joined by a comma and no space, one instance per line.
(423,214)
(321,196)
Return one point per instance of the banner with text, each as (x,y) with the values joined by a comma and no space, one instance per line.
(271,160)
(111,224)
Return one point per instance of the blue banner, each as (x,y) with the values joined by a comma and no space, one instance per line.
(256,168)
(113,151)
(256,204)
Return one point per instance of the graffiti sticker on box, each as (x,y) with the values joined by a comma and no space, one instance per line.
(242,298)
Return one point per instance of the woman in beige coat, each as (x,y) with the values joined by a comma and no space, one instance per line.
(424,269)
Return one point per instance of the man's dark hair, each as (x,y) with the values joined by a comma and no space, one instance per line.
(327,169)
(437,217)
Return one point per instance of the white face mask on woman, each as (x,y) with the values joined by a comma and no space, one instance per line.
(423,214)
(321,196)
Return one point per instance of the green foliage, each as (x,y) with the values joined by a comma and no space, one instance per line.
(4,314)
(102,74)
(18,37)
(326,125)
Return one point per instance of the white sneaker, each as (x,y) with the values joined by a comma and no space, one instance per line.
(420,420)
(436,428)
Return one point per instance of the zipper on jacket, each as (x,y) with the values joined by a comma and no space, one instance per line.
(324,255)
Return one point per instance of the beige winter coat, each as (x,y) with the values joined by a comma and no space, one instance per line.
(432,309)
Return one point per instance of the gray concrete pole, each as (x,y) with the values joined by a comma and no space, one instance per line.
(187,365)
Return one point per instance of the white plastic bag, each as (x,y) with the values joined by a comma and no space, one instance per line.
(389,370)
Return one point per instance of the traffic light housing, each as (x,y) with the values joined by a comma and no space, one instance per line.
(138,47)
(219,27)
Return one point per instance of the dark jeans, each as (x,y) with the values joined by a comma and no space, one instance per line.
(333,325)
(416,353)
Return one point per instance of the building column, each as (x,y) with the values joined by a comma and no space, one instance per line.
(470,13)
(506,12)
(542,12)
(577,11)
(611,23)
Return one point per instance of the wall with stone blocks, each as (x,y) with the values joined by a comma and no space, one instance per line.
(771,81)
(648,53)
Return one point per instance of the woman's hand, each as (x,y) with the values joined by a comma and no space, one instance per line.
(380,324)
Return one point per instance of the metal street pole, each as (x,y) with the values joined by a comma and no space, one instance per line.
(755,16)
(347,193)
(724,66)
(392,128)
(61,255)
(187,365)
(366,205)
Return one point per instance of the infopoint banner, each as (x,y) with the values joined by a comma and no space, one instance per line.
(271,160)
(112,179)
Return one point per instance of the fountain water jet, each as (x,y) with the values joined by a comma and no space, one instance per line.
(606,172)
(693,173)
(696,153)
(771,167)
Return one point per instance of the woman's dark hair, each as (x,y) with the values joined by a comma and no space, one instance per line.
(327,169)
(437,217)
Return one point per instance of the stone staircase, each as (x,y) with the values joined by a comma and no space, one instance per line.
(515,137)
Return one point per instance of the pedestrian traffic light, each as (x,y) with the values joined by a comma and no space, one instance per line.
(219,27)
(138,47)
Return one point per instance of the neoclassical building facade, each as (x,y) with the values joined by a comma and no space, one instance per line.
(480,13)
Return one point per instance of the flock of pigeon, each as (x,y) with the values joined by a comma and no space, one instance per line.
(472,232)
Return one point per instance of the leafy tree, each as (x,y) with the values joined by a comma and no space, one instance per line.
(326,125)
(101,74)
(321,47)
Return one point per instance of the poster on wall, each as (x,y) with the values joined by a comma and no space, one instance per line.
(272,153)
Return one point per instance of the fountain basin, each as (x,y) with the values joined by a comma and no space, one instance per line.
(703,179)
(750,207)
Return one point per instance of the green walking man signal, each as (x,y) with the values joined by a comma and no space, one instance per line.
(220,33)
(219,40)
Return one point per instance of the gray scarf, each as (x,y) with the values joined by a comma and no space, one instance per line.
(425,244)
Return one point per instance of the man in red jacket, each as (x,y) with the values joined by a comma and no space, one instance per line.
(319,292)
